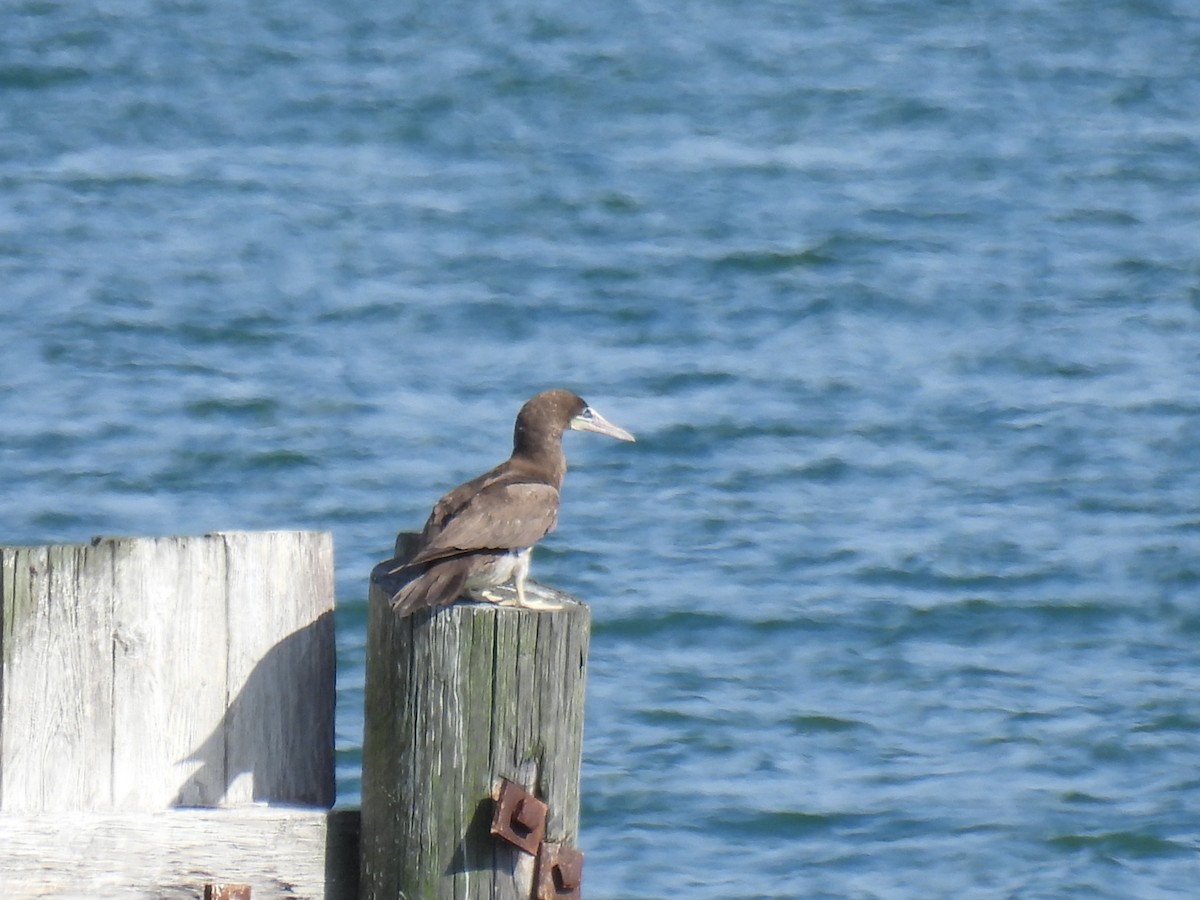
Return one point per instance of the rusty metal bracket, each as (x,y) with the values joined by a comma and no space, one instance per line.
(559,872)
(519,817)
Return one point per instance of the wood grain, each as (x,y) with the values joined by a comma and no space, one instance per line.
(144,673)
(172,854)
(457,698)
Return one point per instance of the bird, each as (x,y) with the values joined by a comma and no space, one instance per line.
(481,534)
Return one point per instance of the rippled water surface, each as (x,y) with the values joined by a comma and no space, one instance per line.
(897,594)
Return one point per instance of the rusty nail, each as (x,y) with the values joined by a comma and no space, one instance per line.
(227,892)
(568,873)
(519,817)
(560,872)
(528,816)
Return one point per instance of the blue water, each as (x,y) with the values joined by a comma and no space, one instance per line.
(898,594)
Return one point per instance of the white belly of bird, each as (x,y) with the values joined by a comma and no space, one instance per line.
(511,566)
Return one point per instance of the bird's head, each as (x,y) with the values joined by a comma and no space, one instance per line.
(552,412)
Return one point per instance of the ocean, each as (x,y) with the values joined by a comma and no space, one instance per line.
(898,593)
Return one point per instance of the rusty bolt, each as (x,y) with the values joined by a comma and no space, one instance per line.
(227,892)
(560,872)
(529,816)
(519,817)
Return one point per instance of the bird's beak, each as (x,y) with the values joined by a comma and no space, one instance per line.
(590,420)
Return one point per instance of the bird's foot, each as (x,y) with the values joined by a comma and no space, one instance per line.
(513,598)
(536,603)
(539,605)
(499,599)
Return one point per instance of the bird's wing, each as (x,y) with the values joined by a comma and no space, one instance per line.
(499,517)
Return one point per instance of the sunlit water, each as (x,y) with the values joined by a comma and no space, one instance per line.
(896,595)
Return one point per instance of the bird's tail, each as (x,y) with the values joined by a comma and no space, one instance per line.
(435,586)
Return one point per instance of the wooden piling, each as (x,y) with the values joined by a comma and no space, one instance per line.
(457,699)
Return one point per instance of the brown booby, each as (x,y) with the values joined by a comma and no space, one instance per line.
(481,534)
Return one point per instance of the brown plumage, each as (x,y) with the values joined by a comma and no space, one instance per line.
(481,534)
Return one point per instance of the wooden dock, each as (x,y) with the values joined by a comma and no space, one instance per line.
(173,854)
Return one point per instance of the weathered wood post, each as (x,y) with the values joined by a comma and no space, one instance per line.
(157,696)
(457,699)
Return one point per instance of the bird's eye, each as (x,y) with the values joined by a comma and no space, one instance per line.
(587,413)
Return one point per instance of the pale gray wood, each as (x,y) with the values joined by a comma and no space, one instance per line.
(169,645)
(140,673)
(57,681)
(457,698)
(280,741)
(170,855)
